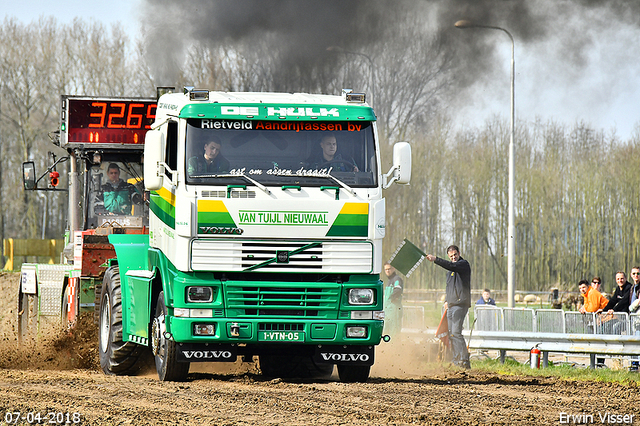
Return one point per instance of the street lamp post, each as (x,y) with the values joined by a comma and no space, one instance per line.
(511,229)
(373,77)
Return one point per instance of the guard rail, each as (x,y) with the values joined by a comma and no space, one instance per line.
(555,330)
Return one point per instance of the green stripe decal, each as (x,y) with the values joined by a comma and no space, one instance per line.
(352,221)
(214,213)
(162,204)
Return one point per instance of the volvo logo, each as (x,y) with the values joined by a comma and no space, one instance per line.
(207,354)
(328,356)
(220,230)
(282,256)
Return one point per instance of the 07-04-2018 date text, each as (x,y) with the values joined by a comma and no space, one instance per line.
(34,417)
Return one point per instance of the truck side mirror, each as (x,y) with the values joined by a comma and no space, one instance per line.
(402,162)
(29,175)
(400,172)
(154,149)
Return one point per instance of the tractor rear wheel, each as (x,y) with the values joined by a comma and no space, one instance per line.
(97,288)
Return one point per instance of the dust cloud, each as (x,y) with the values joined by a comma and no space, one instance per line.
(55,349)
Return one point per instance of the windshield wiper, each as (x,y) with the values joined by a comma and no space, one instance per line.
(342,184)
(335,179)
(242,175)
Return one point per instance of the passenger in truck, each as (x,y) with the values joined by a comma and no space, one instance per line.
(330,157)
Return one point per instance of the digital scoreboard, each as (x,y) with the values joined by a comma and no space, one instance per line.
(105,121)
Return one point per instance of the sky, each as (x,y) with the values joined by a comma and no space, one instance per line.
(602,88)
(107,12)
(603,92)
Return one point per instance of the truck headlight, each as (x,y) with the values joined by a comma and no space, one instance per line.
(199,294)
(360,296)
(204,329)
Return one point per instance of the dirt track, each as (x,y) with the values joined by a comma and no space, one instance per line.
(404,389)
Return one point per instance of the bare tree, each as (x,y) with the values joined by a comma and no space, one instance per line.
(39,62)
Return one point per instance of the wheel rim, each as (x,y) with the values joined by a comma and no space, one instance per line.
(105,323)
(157,336)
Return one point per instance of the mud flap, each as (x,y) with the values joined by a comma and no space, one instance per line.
(194,352)
(344,355)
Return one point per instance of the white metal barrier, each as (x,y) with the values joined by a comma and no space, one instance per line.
(491,318)
(554,330)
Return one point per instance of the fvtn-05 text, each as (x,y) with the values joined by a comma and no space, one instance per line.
(265,224)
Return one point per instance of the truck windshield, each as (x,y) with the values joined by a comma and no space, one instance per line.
(116,195)
(280,153)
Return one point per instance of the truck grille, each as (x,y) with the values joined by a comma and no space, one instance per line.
(276,300)
(212,254)
(255,253)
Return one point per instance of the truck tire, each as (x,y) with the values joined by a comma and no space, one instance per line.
(117,357)
(164,350)
(293,366)
(353,373)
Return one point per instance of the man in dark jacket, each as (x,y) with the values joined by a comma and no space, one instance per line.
(212,162)
(620,299)
(331,158)
(458,301)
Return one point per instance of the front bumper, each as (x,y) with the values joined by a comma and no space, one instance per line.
(320,354)
(269,331)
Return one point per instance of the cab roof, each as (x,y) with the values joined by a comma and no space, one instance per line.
(265,106)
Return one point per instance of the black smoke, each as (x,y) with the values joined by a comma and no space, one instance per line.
(302,30)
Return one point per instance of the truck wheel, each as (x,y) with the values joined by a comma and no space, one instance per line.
(116,356)
(293,366)
(353,373)
(164,350)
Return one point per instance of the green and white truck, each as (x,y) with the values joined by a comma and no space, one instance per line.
(265,225)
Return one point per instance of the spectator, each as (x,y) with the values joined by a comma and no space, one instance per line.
(594,301)
(619,301)
(634,300)
(596,283)
(486,298)
(393,301)
(458,301)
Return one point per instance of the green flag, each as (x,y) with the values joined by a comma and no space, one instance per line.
(407,258)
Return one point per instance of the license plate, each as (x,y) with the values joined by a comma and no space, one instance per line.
(281,336)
